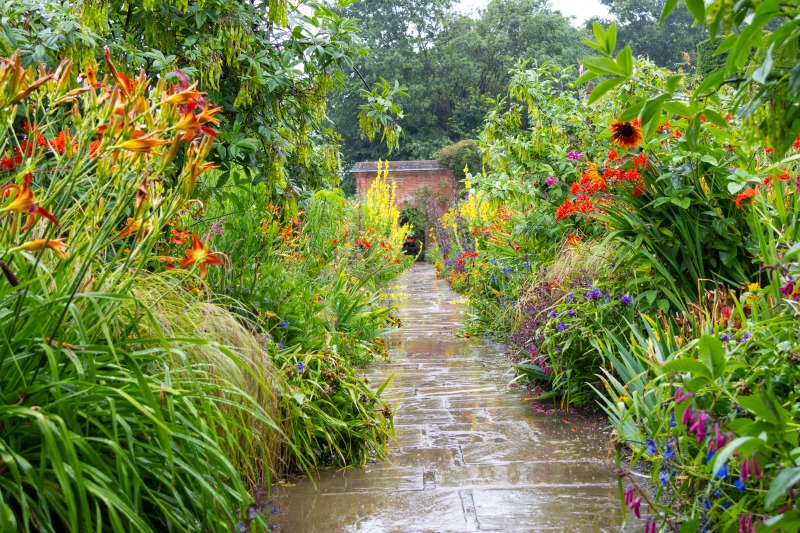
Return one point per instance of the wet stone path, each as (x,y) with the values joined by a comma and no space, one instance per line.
(470,454)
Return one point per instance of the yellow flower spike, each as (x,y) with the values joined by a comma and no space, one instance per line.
(57,245)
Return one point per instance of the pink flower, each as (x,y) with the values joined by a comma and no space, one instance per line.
(550,181)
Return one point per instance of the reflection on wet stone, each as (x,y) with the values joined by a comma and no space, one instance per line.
(470,455)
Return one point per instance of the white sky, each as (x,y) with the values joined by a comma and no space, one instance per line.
(580,9)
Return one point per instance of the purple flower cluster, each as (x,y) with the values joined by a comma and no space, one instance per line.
(634,503)
(217,229)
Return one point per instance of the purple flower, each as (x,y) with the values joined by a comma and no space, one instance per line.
(636,507)
(562,327)
(553,314)
(594,294)
(300,367)
(664,477)
(570,297)
(574,155)
(280,346)
(550,181)
(679,397)
(725,337)
(626,300)
(745,337)
(571,312)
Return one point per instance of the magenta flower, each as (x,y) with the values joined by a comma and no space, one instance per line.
(550,181)
(574,155)
(787,289)
(680,396)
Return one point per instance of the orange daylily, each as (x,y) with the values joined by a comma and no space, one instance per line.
(24,204)
(185,96)
(134,225)
(141,144)
(39,244)
(201,254)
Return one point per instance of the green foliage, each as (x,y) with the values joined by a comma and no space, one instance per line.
(460,157)
(451,64)
(707,62)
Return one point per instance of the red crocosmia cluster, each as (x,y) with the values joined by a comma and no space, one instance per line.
(612,155)
(640,160)
(745,195)
(582,204)
(664,127)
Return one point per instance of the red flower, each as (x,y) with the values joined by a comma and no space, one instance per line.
(745,195)
(335,242)
(612,155)
(640,160)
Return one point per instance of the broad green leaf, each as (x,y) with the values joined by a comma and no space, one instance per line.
(603,87)
(611,39)
(743,445)
(669,6)
(687,365)
(625,60)
(603,65)
(698,9)
(712,354)
(785,480)
(715,118)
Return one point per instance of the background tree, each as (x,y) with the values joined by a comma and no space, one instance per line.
(638,22)
(451,64)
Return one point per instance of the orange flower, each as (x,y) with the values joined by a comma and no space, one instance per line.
(627,134)
(40,244)
(612,155)
(572,240)
(23,202)
(745,195)
(134,225)
(200,254)
(143,143)
(185,96)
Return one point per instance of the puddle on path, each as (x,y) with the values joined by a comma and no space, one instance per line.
(471,455)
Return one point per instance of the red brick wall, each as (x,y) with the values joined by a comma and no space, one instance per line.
(409,177)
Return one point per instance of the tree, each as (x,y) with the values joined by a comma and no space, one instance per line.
(639,27)
(452,65)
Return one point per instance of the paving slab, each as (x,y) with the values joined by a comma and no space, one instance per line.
(471,454)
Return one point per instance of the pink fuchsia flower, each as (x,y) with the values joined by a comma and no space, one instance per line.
(550,181)
(680,396)
(574,155)
(787,289)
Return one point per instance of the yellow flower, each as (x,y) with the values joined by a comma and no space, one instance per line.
(753,287)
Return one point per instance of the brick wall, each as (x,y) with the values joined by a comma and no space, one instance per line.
(409,177)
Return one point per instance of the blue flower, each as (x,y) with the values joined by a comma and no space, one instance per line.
(738,484)
(284,324)
(664,478)
(570,297)
(626,300)
(725,337)
(571,312)
(274,510)
(553,314)
(562,327)
(745,337)
(280,346)
(651,447)
(722,472)
(300,367)
(710,455)
(594,294)
(669,455)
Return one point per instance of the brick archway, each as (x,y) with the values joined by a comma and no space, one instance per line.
(409,177)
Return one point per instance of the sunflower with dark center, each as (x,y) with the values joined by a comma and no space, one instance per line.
(627,134)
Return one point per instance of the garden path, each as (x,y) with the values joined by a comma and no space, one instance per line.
(470,455)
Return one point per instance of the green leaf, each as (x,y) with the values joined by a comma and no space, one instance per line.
(785,480)
(587,76)
(678,108)
(603,65)
(715,118)
(611,39)
(625,60)
(687,365)
(763,407)
(603,87)
(712,354)
(669,6)
(691,526)
(698,9)
(673,82)
(743,445)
